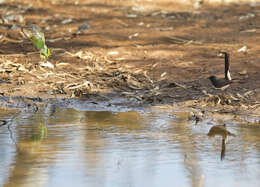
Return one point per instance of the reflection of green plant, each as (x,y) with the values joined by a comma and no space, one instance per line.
(34,33)
(40,133)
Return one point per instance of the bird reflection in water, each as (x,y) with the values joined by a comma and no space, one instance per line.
(221,130)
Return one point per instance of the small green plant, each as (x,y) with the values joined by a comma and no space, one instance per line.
(34,33)
(40,133)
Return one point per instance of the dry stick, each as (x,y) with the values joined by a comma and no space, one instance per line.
(12,55)
(5,38)
(11,135)
(178,40)
(180,85)
(9,129)
(30,53)
(182,41)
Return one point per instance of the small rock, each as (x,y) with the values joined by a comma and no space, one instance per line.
(242,49)
(113,53)
(66,21)
(244,72)
(133,35)
(131,15)
(246,17)
(47,64)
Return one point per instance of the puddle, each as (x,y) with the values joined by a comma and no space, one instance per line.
(69,147)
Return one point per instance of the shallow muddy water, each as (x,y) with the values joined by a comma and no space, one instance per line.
(68,147)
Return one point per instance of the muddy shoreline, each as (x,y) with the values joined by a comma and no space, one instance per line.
(134,56)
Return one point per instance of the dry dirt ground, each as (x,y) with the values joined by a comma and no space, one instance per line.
(148,51)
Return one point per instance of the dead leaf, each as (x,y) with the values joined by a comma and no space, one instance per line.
(163,74)
(47,64)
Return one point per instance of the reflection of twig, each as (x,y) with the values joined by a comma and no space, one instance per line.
(53,110)
(4,123)
(29,107)
(34,107)
(10,130)
(9,127)
(11,134)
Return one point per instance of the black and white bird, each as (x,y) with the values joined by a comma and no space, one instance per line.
(222,83)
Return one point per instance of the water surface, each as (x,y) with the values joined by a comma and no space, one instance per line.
(68,147)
